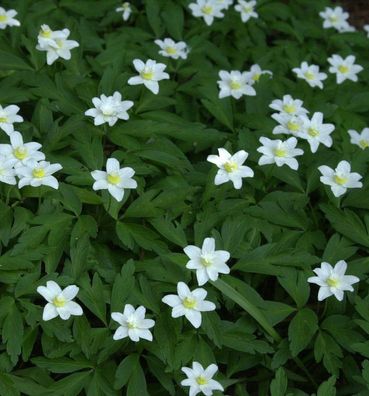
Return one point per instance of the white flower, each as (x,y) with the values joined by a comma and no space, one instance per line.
(334,17)
(345,69)
(149,74)
(189,303)
(38,174)
(55,43)
(7,172)
(230,167)
(311,74)
(315,132)
(366,29)
(133,324)
(201,380)
(234,84)
(59,302)
(115,179)
(8,116)
(346,27)
(247,9)
(289,106)
(255,73)
(340,179)
(224,4)
(207,9)
(21,152)
(333,281)
(207,261)
(7,18)
(171,49)
(47,37)
(125,9)
(279,153)
(360,139)
(288,124)
(108,109)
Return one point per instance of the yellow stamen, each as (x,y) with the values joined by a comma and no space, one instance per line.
(333,18)
(3,18)
(20,153)
(313,132)
(205,261)
(293,126)
(60,43)
(171,50)
(256,77)
(247,9)
(364,143)
(289,109)
(201,380)
(38,173)
(340,180)
(230,166)
(331,282)
(59,301)
(207,9)
(131,325)
(147,75)
(45,33)
(3,119)
(189,303)
(309,75)
(234,84)
(113,178)
(343,69)
(280,152)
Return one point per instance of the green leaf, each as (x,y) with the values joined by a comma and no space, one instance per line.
(278,386)
(301,330)
(327,388)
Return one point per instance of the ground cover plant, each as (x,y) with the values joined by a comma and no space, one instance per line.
(184,196)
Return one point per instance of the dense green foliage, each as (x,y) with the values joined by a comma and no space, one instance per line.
(277,228)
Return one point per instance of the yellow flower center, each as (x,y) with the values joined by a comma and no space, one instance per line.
(234,84)
(309,75)
(38,173)
(189,303)
(247,9)
(230,166)
(333,18)
(59,301)
(201,380)
(207,9)
(332,282)
(3,18)
(280,152)
(60,43)
(206,262)
(45,33)
(3,119)
(113,178)
(340,180)
(289,108)
(171,50)
(364,143)
(343,69)
(147,74)
(131,325)
(313,132)
(20,153)
(293,126)
(256,76)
